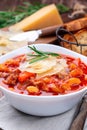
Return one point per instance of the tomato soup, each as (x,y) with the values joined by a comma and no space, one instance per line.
(43,74)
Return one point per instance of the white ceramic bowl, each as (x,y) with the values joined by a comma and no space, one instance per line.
(43,105)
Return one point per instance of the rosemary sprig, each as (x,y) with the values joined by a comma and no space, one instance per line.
(35,50)
(40,55)
(42,52)
(51,53)
(38,58)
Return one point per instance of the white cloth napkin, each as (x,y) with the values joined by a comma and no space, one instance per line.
(12,119)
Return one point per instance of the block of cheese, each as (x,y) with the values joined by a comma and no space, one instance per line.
(46,16)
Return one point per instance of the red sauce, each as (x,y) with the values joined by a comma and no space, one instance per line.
(26,83)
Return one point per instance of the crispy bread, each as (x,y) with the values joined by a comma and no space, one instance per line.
(76,25)
(81,37)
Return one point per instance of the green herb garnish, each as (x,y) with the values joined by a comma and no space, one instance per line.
(11,16)
(40,55)
(62,8)
(38,58)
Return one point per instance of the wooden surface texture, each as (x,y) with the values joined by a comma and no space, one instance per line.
(11,4)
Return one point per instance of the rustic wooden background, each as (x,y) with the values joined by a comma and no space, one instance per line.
(8,4)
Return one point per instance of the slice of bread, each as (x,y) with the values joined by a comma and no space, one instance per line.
(76,25)
(81,37)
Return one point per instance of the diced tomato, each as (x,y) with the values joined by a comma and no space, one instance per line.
(23,76)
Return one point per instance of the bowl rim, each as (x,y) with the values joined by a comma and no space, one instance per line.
(42,96)
(42,44)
